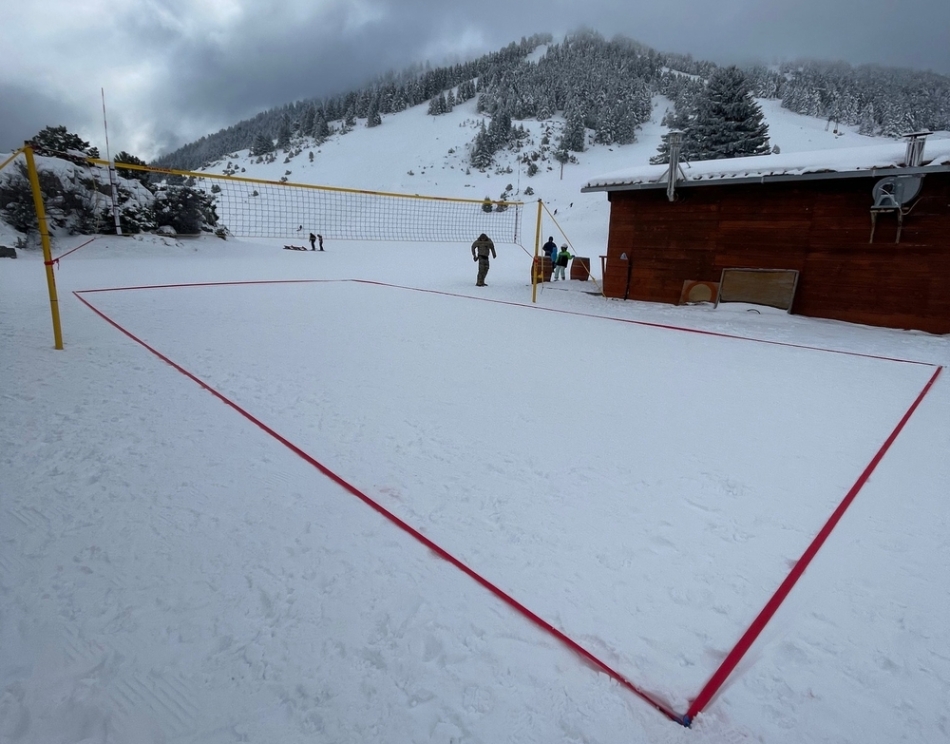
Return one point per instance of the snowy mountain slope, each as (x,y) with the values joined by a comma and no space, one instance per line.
(414,152)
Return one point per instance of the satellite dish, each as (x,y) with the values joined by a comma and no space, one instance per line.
(894,192)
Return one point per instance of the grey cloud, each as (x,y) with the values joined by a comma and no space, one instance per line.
(202,81)
(269,61)
(24,112)
(264,67)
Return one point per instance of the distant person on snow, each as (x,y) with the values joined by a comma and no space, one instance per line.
(320,240)
(480,250)
(313,242)
(561,263)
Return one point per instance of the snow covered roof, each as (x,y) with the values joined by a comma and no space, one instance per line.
(841,163)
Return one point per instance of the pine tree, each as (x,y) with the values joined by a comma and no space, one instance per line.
(604,132)
(263,144)
(307,120)
(283,133)
(56,141)
(124,157)
(499,130)
(482,151)
(466,91)
(321,130)
(729,123)
(361,109)
(625,125)
(681,121)
(572,140)
(188,210)
(373,118)
(867,124)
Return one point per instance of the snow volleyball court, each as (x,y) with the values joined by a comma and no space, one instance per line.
(482,425)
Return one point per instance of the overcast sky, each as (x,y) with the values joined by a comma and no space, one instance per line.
(174,70)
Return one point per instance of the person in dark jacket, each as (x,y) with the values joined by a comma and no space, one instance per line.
(313,242)
(550,249)
(480,250)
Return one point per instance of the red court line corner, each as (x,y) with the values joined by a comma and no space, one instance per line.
(404,526)
(732,659)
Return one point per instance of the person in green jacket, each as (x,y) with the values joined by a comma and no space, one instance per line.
(561,263)
(480,250)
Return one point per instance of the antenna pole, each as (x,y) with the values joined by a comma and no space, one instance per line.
(675,141)
(112,173)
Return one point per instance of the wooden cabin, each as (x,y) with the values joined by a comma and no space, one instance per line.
(867,229)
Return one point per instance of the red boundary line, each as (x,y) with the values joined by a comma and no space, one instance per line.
(719,677)
(73,250)
(748,638)
(210,284)
(645,323)
(438,550)
(649,324)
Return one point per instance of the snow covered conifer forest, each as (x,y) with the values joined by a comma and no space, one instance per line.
(607,85)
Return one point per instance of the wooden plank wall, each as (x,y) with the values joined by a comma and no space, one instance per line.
(821,228)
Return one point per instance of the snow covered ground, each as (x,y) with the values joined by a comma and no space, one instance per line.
(178,565)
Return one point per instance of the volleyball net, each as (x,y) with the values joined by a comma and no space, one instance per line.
(257,208)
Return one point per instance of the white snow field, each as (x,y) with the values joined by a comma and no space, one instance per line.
(185,555)
(174,572)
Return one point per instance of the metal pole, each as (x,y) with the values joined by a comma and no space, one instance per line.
(675,141)
(44,239)
(112,174)
(626,291)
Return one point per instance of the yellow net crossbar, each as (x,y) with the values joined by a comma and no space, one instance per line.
(10,159)
(251,207)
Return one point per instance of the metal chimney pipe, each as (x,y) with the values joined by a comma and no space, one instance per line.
(676,145)
(915,149)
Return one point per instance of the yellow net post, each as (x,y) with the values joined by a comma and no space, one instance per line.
(561,230)
(535,268)
(44,239)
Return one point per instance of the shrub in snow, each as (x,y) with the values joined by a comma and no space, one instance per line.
(56,141)
(186,209)
(71,195)
(124,157)
(16,201)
